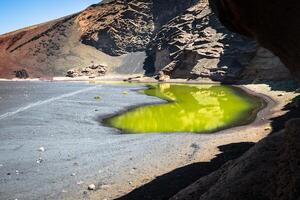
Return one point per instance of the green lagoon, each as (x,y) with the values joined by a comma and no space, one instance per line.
(189,108)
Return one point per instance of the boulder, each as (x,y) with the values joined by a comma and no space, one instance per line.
(23,74)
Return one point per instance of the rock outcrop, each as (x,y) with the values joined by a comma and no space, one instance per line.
(195,45)
(91,71)
(117,27)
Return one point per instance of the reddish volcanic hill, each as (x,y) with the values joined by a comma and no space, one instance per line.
(105,33)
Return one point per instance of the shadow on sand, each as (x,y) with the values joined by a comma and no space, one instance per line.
(293,111)
(167,185)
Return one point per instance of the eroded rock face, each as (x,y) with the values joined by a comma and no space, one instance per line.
(117,27)
(196,45)
(120,26)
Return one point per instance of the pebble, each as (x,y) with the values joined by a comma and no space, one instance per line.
(1,165)
(40,160)
(104,186)
(79,182)
(91,187)
(73,174)
(42,149)
(268,128)
(132,170)
(281,95)
(125,93)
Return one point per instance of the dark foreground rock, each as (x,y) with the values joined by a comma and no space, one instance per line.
(269,170)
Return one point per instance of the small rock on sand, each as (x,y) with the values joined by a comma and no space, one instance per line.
(268,128)
(40,160)
(41,149)
(104,187)
(79,182)
(91,187)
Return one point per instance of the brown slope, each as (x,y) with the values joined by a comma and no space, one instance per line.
(103,33)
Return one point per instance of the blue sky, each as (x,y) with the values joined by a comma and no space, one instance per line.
(16,14)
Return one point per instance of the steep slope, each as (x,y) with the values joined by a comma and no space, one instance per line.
(48,50)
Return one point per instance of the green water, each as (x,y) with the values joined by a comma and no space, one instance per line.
(189,108)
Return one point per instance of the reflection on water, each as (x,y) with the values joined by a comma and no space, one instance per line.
(190,108)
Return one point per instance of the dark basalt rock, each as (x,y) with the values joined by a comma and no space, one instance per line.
(275,24)
(21,74)
(122,26)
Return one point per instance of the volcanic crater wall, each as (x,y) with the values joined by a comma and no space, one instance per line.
(181,38)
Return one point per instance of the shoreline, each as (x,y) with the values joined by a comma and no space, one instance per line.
(266,104)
